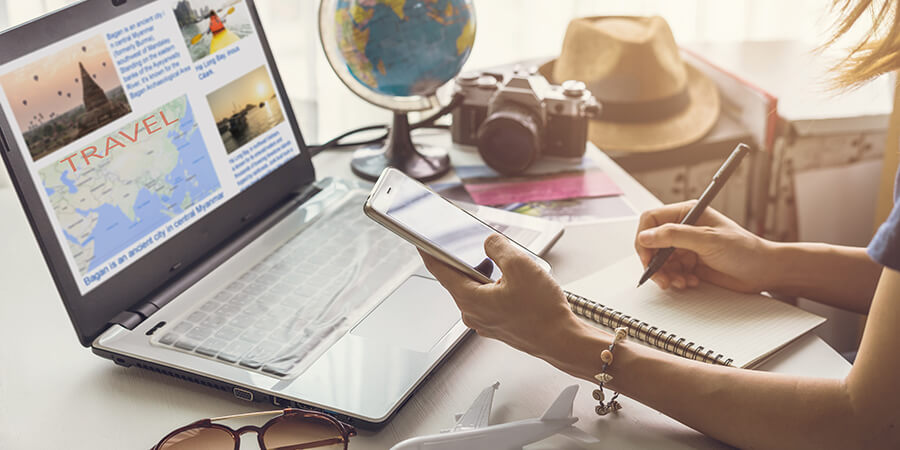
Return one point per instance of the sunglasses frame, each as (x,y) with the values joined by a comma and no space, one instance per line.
(347,431)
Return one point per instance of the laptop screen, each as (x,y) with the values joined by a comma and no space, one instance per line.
(136,128)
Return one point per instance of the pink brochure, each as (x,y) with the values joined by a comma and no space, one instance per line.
(592,183)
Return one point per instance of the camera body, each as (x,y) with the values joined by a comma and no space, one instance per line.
(515,121)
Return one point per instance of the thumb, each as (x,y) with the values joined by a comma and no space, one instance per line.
(504,254)
(689,237)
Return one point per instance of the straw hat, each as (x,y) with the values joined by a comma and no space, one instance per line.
(651,99)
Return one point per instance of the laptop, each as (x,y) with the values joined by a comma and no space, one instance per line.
(162,170)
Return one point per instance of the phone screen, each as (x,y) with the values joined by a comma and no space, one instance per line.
(446,226)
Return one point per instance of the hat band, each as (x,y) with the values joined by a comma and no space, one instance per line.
(645,111)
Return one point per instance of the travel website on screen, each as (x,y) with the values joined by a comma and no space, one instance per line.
(140,126)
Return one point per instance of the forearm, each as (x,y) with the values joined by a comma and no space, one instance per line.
(748,409)
(844,277)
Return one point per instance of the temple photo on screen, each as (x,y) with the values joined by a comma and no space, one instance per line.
(65,95)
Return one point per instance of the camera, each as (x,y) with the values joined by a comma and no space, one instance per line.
(513,121)
(118,2)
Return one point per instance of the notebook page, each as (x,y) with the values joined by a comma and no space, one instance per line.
(743,327)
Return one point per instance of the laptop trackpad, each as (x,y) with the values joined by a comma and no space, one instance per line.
(415,316)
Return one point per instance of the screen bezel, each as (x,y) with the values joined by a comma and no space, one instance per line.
(380,200)
(92,312)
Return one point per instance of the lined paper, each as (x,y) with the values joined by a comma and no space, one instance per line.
(743,327)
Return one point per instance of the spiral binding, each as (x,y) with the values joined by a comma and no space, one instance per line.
(643,331)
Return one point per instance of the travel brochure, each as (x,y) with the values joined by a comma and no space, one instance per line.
(562,190)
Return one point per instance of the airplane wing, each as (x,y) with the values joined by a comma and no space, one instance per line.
(478,414)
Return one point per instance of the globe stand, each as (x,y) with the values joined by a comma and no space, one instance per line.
(422,162)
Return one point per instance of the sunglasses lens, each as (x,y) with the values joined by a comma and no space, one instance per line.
(200,439)
(296,429)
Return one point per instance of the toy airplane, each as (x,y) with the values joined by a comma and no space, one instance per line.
(472,431)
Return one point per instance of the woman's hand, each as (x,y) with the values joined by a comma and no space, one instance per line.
(526,308)
(716,250)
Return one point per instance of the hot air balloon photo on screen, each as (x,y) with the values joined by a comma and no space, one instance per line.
(65,95)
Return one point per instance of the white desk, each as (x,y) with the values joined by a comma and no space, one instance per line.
(56,394)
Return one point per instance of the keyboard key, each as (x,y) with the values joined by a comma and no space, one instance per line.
(293,281)
(210,306)
(253,335)
(196,316)
(211,346)
(286,332)
(235,286)
(260,354)
(228,333)
(187,343)
(241,302)
(182,327)
(267,322)
(280,269)
(267,279)
(294,301)
(243,321)
(257,308)
(281,367)
(228,310)
(234,351)
(214,321)
(223,296)
(256,288)
(247,277)
(199,333)
(281,288)
(168,339)
(319,258)
(269,298)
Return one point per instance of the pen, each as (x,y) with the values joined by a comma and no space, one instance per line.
(708,195)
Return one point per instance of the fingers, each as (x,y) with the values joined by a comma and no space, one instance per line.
(698,239)
(510,259)
(678,272)
(678,280)
(457,283)
(652,219)
(668,214)
(662,279)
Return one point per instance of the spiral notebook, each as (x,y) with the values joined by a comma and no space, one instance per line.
(707,323)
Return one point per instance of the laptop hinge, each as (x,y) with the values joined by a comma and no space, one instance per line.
(133,316)
(127,319)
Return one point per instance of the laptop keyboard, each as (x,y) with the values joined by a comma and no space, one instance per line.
(282,313)
(281,310)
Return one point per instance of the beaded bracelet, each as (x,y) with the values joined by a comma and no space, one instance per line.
(607,357)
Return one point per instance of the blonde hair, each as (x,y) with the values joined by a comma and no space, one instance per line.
(878,52)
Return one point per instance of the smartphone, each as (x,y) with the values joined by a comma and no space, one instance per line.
(435,225)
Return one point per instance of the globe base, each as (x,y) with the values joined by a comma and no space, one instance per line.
(419,161)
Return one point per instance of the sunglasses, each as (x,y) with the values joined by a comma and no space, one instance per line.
(291,429)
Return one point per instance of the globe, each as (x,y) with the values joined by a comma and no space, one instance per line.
(395,54)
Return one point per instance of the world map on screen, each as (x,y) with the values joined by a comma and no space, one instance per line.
(117,190)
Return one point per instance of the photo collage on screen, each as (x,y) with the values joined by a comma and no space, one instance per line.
(140,126)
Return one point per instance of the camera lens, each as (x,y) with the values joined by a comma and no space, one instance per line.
(509,139)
